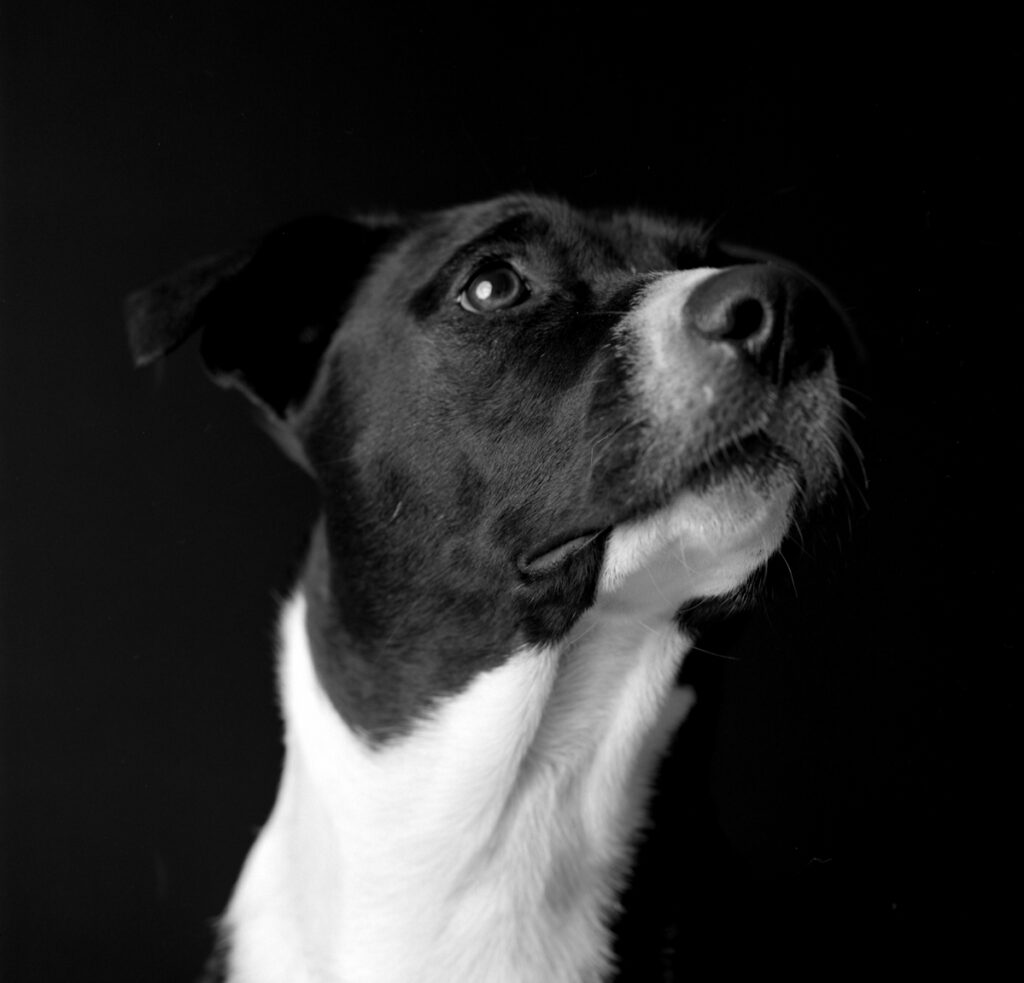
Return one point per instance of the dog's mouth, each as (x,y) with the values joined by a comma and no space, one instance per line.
(751,458)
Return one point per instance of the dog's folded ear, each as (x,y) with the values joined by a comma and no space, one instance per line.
(266,314)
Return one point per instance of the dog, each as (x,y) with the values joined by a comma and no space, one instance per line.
(541,435)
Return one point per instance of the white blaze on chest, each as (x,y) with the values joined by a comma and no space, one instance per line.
(486,845)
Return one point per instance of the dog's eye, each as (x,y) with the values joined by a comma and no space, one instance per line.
(493,289)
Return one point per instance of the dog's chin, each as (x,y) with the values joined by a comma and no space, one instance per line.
(728,507)
(713,533)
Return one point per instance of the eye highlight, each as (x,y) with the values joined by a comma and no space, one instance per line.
(494,288)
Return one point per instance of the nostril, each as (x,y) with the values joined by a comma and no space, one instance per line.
(748,309)
(742,320)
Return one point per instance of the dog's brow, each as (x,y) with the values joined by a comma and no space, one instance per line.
(513,230)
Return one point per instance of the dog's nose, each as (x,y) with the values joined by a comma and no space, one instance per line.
(775,318)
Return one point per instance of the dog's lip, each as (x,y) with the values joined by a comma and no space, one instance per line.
(555,552)
(752,449)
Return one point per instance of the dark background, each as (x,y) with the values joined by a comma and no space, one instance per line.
(826,804)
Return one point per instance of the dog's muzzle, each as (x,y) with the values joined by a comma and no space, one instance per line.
(731,373)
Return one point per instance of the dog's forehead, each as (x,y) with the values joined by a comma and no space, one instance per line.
(630,237)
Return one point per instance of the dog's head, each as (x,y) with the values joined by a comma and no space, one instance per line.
(513,408)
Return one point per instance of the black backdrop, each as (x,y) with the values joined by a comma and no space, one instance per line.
(822,807)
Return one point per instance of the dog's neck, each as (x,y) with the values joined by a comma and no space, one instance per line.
(489,844)
(490,841)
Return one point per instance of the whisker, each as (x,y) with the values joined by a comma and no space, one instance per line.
(717,655)
(845,387)
(601,313)
(792,578)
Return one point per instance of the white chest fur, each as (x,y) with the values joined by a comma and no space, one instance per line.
(491,842)
(486,846)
